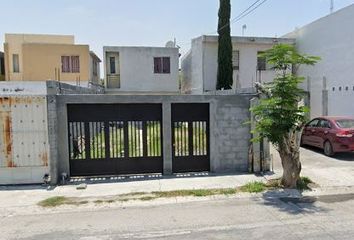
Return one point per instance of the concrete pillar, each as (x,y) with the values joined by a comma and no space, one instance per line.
(167,138)
(256,147)
(325,102)
(52,137)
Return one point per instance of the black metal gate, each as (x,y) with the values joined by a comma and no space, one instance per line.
(190,137)
(109,139)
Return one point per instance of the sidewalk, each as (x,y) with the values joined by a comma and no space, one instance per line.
(19,196)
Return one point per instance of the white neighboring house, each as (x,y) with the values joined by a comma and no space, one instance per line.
(199,65)
(330,81)
(141,69)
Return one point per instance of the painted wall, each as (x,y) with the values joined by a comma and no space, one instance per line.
(332,39)
(136,68)
(41,60)
(199,66)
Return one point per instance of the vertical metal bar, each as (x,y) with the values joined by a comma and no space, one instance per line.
(87,140)
(126,141)
(106,139)
(144,139)
(190,139)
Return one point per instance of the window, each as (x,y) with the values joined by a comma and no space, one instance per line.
(261,62)
(2,66)
(70,64)
(15,63)
(324,124)
(313,123)
(112,65)
(65,64)
(236,60)
(94,67)
(162,65)
(75,64)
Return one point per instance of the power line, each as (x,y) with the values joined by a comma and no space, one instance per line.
(243,14)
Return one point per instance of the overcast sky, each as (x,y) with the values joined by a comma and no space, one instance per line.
(153,22)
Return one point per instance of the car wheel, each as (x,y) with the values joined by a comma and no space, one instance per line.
(327,149)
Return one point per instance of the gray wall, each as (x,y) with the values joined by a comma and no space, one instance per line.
(229,136)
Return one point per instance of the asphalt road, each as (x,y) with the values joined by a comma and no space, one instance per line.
(328,217)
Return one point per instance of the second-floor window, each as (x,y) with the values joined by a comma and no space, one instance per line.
(261,62)
(112,65)
(236,60)
(162,65)
(70,64)
(15,63)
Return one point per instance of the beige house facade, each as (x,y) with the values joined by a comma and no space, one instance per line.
(36,57)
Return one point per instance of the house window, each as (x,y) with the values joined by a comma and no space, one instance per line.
(70,64)
(65,64)
(261,62)
(112,65)
(75,64)
(15,63)
(236,60)
(2,66)
(94,67)
(162,65)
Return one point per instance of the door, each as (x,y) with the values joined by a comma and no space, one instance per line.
(190,137)
(107,139)
(310,129)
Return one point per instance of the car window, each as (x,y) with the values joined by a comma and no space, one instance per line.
(324,124)
(345,123)
(313,123)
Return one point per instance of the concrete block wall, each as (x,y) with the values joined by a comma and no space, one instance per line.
(229,135)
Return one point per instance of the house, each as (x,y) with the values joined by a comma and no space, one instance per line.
(141,69)
(330,81)
(2,67)
(199,65)
(36,57)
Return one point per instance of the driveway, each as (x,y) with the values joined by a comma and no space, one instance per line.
(328,172)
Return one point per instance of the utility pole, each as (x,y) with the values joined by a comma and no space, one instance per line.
(243,29)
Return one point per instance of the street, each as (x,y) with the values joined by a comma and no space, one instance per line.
(234,218)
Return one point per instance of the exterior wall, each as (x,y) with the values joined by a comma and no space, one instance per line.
(43,62)
(229,136)
(202,67)
(136,69)
(95,79)
(13,45)
(330,38)
(24,147)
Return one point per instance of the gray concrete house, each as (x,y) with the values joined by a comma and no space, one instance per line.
(141,69)
(199,65)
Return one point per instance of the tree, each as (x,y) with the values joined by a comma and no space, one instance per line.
(224,75)
(279,115)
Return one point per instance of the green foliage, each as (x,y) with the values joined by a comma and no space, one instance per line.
(224,75)
(253,187)
(279,112)
(303,183)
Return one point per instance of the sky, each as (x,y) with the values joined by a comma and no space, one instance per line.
(153,22)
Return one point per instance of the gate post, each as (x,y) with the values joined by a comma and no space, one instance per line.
(167,138)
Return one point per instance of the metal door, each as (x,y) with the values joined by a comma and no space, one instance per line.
(107,139)
(190,137)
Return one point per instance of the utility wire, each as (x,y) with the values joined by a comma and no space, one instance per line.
(243,14)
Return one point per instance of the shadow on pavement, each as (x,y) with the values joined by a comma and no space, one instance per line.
(346,156)
(295,204)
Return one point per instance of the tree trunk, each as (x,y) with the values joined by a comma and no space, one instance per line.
(289,151)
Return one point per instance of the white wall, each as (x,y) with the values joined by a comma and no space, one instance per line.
(203,62)
(137,69)
(332,39)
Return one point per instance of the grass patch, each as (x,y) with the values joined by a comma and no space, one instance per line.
(253,187)
(303,183)
(196,192)
(53,201)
